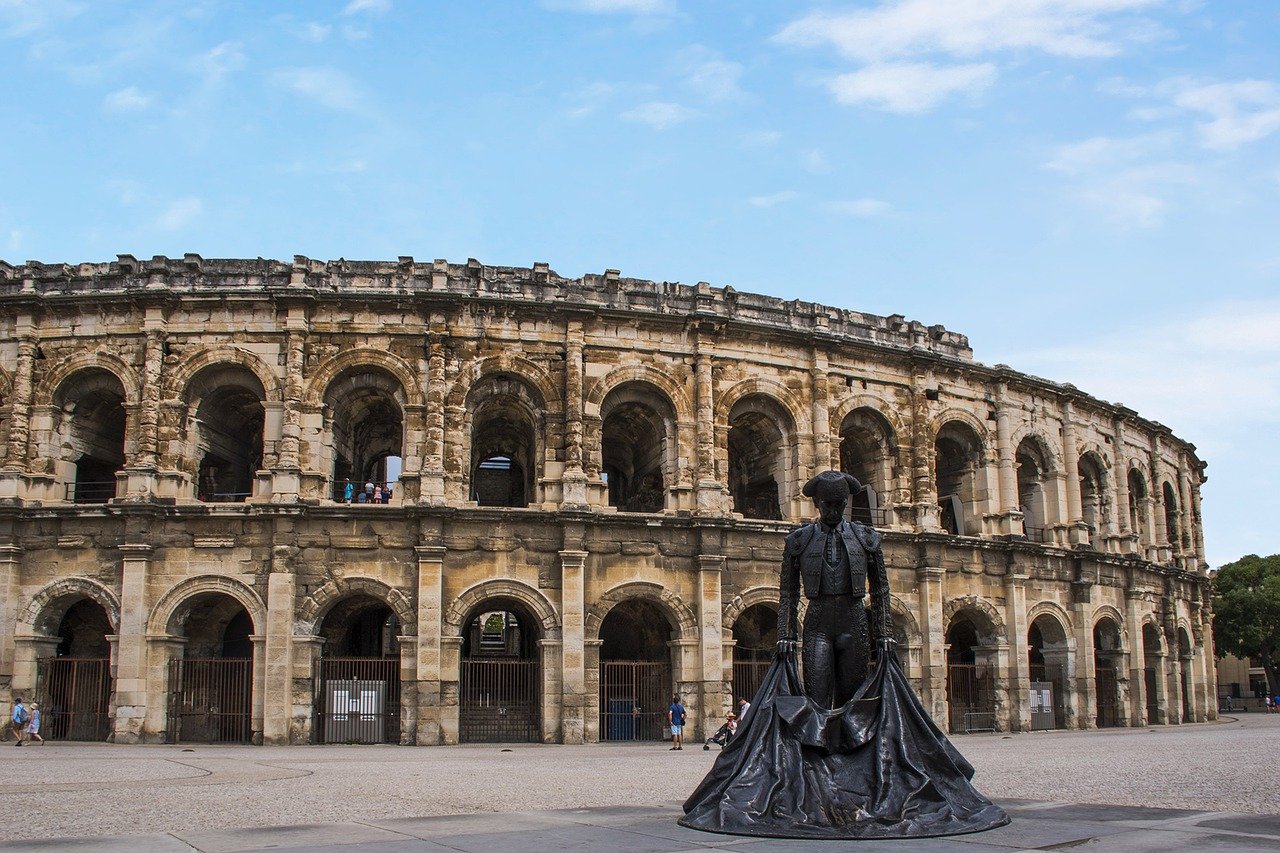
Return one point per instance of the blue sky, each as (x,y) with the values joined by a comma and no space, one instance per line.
(1090,189)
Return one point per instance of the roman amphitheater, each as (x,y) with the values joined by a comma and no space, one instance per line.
(590,482)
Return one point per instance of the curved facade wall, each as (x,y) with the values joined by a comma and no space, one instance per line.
(596,477)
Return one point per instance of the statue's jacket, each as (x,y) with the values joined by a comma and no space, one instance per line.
(802,561)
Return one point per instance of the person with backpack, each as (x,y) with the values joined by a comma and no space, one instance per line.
(18,719)
(675,717)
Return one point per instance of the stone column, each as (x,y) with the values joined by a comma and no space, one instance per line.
(430,633)
(433,462)
(308,651)
(1173,689)
(550,653)
(142,464)
(924,492)
(286,476)
(15,461)
(1137,662)
(278,650)
(1019,661)
(1127,540)
(1162,548)
(1086,683)
(1197,527)
(822,456)
(1077,530)
(258,690)
(933,642)
(28,651)
(1010,514)
(710,494)
(10,583)
(409,689)
(574,480)
(574,693)
(450,667)
(714,698)
(131,648)
(1183,549)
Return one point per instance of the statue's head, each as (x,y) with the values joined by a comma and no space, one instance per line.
(830,491)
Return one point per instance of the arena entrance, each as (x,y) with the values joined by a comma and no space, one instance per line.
(970,685)
(755,637)
(635,672)
(75,685)
(1047,657)
(1150,672)
(500,682)
(1106,663)
(211,686)
(357,697)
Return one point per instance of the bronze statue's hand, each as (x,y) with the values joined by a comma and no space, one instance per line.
(786,647)
(886,644)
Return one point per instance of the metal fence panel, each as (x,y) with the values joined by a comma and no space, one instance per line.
(1108,697)
(634,697)
(500,701)
(747,676)
(970,698)
(75,698)
(357,700)
(210,700)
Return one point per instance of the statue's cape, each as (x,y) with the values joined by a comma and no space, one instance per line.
(876,768)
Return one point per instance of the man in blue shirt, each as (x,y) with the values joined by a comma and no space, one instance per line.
(675,716)
(18,720)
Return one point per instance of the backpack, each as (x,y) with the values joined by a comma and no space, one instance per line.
(20,714)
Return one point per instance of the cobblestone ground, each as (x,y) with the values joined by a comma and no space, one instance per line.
(63,790)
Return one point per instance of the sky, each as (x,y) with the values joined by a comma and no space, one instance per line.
(1089,189)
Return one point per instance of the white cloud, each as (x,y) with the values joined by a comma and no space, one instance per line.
(374,7)
(127,100)
(815,160)
(1125,179)
(313,31)
(1240,112)
(328,87)
(613,7)
(910,87)
(716,80)
(761,138)
(864,208)
(660,115)
(774,199)
(1097,152)
(27,17)
(915,53)
(215,64)
(179,214)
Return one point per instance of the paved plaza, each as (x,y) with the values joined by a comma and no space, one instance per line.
(1210,786)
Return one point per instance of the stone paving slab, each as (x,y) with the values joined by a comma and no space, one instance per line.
(1036,825)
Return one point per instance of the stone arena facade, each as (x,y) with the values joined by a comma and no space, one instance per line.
(590,483)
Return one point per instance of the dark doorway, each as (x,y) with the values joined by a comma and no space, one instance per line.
(1046,658)
(500,684)
(211,686)
(755,635)
(635,672)
(75,685)
(970,683)
(358,675)
(1106,663)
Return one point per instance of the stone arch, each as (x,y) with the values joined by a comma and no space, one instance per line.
(775,391)
(866,446)
(967,418)
(1051,453)
(45,609)
(1157,632)
(178,379)
(902,614)
(748,598)
(6,384)
(675,394)
(364,357)
(477,594)
(1057,612)
(527,371)
(98,359)
(758,449)
(893,421)
(988,620)
(162,615)
(320,602)
(1107,611)
(666,600)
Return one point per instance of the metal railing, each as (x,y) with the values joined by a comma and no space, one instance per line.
(1036,534)
(634,697)
(500,701)
(75,698)
(210,700)
(225,497)
(877,517)
(357,700)
(90,491)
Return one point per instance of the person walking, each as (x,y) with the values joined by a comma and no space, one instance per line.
(743,707)
(18,719)
(675,717)
(33,726)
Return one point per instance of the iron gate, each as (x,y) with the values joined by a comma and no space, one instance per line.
(357,700)
(210,700)
(1153,698)
(971,698)
(500,701)
(1049,681)
(1108,698)
(747,676)
(75,698)
(634,697)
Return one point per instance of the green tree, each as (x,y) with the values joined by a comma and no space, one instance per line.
(1246,612)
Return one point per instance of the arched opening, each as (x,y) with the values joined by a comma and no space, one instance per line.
(1185,658)
(1106,669)
(90,421)
(1137,506)
(500,683)
(359,677)
(635,672)
(635,438)
(1151,649)
(211,685)
(366,416)
(228,421)
(866,452)
(1031,462)
(1170,515)
(1094,497)
(957,460)
(504,442)
(755,636)
(1047,657)
(971,695)
(760,451)
(75,684)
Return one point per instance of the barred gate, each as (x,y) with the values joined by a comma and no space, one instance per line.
(500,701)
(357,700)
(1153,698)
(747,676)
(210,700)
(75,698)
(971,698)
(1053,715)
(1108,698)
(634,697)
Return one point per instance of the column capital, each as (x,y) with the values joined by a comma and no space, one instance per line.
(136,550)
(710,562)
(929,573)
(573,559)
(430,553)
